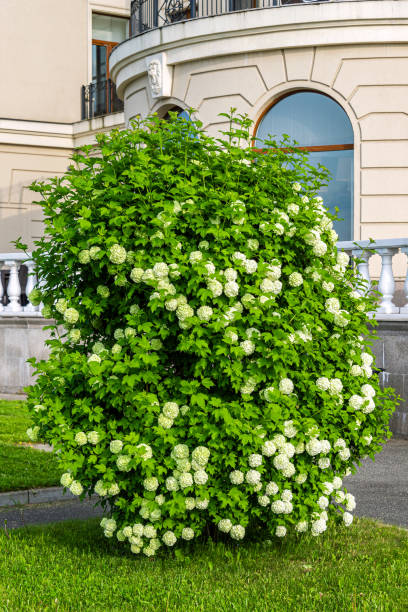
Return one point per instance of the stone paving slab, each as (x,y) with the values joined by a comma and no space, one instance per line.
(34,496)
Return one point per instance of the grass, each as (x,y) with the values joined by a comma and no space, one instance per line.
(22,467)
(73,567)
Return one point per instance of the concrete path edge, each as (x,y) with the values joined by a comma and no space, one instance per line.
(34,496)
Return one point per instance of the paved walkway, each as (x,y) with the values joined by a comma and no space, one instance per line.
(380,488)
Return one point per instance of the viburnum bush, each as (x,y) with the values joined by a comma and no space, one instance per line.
(209,367)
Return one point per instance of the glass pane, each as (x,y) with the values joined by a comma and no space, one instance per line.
(310,118)
(112,29)
(99,63)
(339,191)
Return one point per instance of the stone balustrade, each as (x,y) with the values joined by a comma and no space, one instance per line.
(17,280)
(363,250)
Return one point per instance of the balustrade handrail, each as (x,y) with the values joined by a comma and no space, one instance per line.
(18,278)
(147,15)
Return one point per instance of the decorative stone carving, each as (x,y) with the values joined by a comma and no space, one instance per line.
(160,76)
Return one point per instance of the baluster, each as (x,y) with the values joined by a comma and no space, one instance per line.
(404,309)
(386,284)
(1,290)
(31,283)
(362,269)
(13,288)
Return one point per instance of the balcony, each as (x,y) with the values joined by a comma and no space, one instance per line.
(99,98)
(150,14)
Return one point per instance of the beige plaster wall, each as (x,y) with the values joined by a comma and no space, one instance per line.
(44,51)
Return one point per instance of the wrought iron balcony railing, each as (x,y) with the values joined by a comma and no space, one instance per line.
(150,14)
(99,98)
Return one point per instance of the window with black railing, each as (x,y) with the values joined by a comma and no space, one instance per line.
(99,97)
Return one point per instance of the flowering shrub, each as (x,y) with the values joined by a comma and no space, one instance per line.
(209,366)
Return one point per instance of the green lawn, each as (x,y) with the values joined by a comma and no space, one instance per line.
(72,566)
(22,467)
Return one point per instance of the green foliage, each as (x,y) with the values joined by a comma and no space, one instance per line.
(207,365)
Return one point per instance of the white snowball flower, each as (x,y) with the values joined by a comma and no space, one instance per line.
(160,499)
(202,504)
(301,526)
(238,257)
(286,386)
(231,335)
(318,527)
(76,488)
(332,305)
(327,286)
(289,429)
(187,533)
(278,506)
(280,531)
(340,319)
(230,274)
(323,502)
(250,266)
(215,287)
(136,274)
(313,447)
(171,484)
(281,461)
(356,370)
(347,519)
(84,256)
(344,454)
(271,488)
(204,313)
(71,316)
(288,449)
(336,386)
(224,525)
(247,346)
(287,495)
(209,266)
(337,482)
(237,532)
(323,463)
(343,259)
(66,479)
(327,488)
(252,477)
(252,244)
(151,484)
(190,503)
(320,248)
(339,497)
(273,272)
(236,477)
(263,500)
(122,463)
(279,440)
(81,438)
(147,451)
(293,209)
(200,477)
(367,440)
(184,311)
(339,443)
(117,254)
(325,446)
(368,390)
(296,187)
(289,470)
(323,383)
(195,257)
(171,410)
(268,448)
(181,451)
(355,402)
(93,437)
(248,387)
(169,538)
(255,460)
(301,478)
(350,502)
(295,279)
(231,289)
(201,454)
(185,480)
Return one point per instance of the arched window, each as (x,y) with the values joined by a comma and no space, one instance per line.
(183,114)
(319,125)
